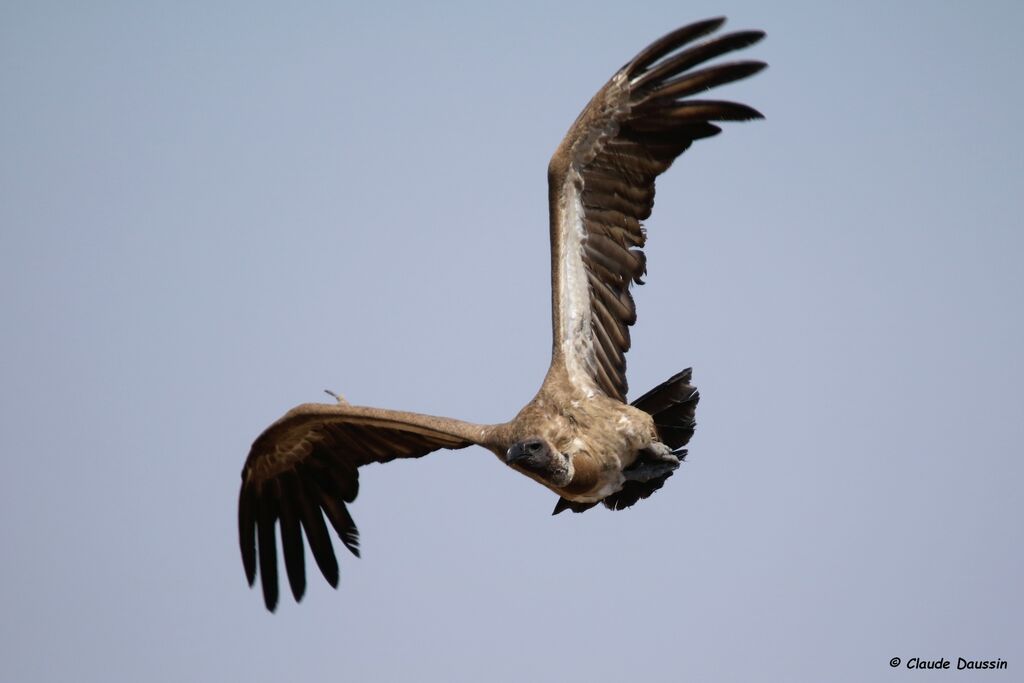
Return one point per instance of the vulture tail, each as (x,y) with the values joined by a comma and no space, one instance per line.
(672,404)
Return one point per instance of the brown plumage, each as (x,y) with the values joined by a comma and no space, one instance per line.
(577,436)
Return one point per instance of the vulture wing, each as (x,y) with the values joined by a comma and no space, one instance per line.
(601,186)
(305,467)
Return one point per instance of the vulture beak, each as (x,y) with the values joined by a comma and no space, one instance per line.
(516,452)
(522,450)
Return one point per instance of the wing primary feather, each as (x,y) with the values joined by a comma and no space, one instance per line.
(268,544)
(247,530)
(291,534)
(711,110)
(695,55)
(317,534)
(684,132)
(699,81)
(672,41)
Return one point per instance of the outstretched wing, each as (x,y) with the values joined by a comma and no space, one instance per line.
(304,467)
(601,185)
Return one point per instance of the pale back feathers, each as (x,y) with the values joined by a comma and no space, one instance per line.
(601,186)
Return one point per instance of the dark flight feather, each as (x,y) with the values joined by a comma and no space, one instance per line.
(629,134)
(304,467)
(633,492)
(564,504)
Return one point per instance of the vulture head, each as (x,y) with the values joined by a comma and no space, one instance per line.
(538,458)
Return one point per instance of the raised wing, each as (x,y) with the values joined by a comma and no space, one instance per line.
(601,186)
(304,467)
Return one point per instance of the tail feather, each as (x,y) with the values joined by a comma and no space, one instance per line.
(673,405)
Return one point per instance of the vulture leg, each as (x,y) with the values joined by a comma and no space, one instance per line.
(653,462)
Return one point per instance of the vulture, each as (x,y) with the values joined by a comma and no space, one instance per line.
(578,436)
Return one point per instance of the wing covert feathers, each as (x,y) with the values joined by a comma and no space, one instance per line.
(304,468)
(601,187)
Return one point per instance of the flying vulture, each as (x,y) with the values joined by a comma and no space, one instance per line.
(578,436)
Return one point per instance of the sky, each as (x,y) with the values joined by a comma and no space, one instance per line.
(210,213)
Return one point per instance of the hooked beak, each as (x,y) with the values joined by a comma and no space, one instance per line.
(515,453)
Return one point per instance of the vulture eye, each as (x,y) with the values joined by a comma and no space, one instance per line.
(533,446)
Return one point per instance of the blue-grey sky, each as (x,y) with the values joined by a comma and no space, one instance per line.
(209,214)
